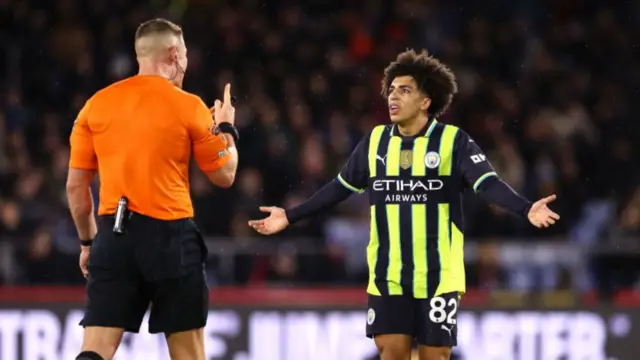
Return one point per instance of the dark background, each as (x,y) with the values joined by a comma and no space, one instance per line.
(548,89)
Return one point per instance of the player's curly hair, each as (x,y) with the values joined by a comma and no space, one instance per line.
(435,80)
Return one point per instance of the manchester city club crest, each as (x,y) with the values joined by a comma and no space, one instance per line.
(371,316)
(406,159)
(432,160)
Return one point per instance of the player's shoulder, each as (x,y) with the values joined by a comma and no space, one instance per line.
(461,139)
(453,130)
(379,130)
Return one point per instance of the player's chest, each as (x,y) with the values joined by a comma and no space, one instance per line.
(417,158)
(410,171)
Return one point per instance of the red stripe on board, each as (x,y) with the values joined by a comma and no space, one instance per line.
(272,296)
(254,296)
(627,298)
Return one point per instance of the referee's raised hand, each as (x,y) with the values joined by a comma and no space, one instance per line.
(224,111)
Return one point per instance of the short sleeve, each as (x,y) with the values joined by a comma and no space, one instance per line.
(473,164)
(82,153)
(209,147)
(355,173)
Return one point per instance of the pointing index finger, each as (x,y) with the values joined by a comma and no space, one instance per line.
(227,94)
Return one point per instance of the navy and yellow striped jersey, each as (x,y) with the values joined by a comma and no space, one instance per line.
(415,186)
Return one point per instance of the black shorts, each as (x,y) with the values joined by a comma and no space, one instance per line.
(432,322)
(156,264)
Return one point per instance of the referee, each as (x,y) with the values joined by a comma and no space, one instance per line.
(139,135)
(415,170)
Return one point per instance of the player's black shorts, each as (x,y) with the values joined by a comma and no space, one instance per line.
(432,322)
(156,264)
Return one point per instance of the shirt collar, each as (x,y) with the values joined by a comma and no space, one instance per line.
(425,131)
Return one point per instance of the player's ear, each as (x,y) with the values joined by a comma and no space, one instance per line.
(426,102)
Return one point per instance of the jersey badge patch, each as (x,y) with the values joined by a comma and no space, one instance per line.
(406,159)
(432,160)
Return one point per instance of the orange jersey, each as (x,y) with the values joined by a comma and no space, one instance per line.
(139,134)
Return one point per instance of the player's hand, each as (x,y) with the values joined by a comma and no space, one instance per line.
(84,260)
(223,111)
(540,215)
(274,223)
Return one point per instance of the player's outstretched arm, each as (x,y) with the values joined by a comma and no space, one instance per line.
(352,178)
(279,218)
(482,178)
(497,192)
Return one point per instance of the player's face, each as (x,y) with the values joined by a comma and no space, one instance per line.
(405,100)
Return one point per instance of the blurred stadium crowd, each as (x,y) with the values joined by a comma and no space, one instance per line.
(546,88)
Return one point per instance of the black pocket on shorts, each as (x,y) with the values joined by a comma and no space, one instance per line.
(171,250)
(159,254)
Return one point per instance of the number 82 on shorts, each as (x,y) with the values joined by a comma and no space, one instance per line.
(432,322)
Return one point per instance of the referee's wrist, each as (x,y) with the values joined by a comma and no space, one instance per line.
(229,129)
(231,142)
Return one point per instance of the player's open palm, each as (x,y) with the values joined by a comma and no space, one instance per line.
(274,223)
(540,215)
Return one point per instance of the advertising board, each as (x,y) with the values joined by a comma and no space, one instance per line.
(49,331)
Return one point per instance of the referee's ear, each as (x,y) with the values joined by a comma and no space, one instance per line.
(173,55)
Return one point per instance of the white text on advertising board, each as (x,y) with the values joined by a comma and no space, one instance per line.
(41,334)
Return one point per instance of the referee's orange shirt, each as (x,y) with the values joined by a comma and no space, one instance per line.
(139,134)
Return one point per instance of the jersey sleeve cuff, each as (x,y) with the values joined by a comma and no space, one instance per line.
(82,166)
(482,178)
(349,186)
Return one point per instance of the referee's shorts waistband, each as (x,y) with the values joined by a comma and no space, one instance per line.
(135,215)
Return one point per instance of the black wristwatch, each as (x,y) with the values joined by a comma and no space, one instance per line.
(228,128)
(86,242)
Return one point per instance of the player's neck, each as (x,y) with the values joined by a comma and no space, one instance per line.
(412,127)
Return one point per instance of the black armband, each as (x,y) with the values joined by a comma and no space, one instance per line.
(228,128)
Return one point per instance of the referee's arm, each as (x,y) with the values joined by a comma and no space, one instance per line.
(482,178)
(82,168)
(352,178)
(215,152)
